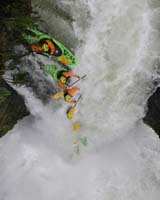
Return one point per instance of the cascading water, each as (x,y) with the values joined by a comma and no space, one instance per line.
(119,53)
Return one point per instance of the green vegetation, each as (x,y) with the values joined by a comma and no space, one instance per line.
(4,93)
(21,78)
(14,18)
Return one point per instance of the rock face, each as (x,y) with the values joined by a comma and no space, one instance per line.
(11,109)
(15,8)
(12,105)
(152,117)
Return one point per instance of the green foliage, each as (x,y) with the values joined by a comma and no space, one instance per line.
(4,129)
(83,140)
(78,150)
(15,18)
(21,77)
(4,93)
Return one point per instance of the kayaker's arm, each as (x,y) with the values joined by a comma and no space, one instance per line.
(70,74)
(76,76)
(72,101)
(36,48)
(60,84)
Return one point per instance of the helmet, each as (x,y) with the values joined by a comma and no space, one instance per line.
(67,97)
(63,79)
(45,47)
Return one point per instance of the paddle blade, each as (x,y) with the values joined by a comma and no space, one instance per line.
(75,126)
(58,95)
(70,113)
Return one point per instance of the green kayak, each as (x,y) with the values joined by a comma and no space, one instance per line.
(61,53)
(54,71)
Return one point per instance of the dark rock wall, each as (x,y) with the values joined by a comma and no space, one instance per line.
(12,108)
(152,117)
(15,8)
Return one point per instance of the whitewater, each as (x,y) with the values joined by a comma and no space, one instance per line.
(118,47)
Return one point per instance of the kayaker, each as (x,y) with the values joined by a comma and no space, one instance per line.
(68,94)
(46,46)
(60,74)
(63,78)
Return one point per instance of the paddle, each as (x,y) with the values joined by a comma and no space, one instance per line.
(75,126)
(77,80)
(71,110)
(58,95)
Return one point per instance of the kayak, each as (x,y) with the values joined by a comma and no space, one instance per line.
(62,54)
(54,71)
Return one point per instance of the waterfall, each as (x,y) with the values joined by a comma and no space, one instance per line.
(117,47)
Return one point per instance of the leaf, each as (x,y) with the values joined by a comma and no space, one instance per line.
(4,92)
(83,141)
(78,150)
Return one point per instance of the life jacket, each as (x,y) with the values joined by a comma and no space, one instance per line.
(68,74)
(62,85)
(51,46)
(36,47)
(72,90)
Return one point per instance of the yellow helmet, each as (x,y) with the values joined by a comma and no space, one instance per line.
(67,97)
(45,47)
(63,79)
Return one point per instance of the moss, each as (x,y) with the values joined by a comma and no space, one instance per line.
(21,77)
(4,93)
(12,109)
(15,8)
(14,17)
(4,129)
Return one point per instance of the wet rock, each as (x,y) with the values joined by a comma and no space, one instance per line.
(14,14)
(152,117)
(12,109)
(15,8)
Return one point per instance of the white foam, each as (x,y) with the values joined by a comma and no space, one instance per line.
(121,160)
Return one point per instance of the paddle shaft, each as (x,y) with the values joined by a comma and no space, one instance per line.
(77,100)
(77,80)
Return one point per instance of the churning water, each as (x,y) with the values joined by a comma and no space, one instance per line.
(119,50)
